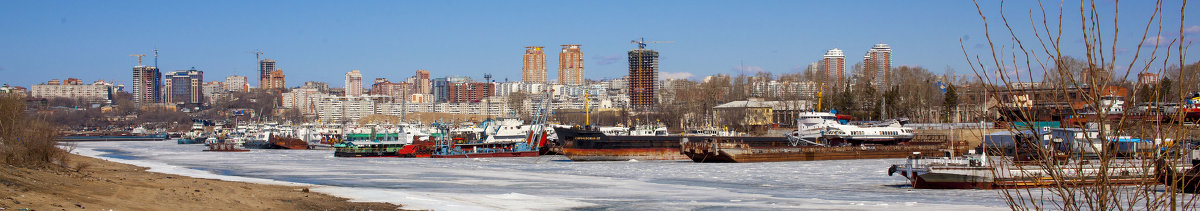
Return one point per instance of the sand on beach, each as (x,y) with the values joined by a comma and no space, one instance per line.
(94,184)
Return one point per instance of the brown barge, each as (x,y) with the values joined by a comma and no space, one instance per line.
(225,147)
(725,151)
(285,142)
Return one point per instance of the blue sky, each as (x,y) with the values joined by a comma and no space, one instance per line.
(320,41)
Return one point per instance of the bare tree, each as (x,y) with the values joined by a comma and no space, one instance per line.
(1013,57)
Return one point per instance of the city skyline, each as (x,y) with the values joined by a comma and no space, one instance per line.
(392,39)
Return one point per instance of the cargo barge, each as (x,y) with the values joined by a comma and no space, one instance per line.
(718,150)
(819,136)
(287,142)
(975,172)
(225,147)
(591,144)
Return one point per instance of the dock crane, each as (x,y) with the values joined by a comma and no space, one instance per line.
(139,56)
(642,42)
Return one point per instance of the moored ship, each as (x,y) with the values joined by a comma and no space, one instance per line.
(724,151)
(371,141)
(287,142)
(819,136)
(489,146)
(594,144)
(975,172)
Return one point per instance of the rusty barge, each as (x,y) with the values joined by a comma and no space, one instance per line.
(590,144)
(718,150)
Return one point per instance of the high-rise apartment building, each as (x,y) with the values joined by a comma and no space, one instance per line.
(877,65)
(146,83)
(184,87)
(834,68)
(534,69)
(470,92)
(236,83)
(265,67)
(354,85)
(643,75)
(276,79)
(441,87)
(570,65)
(422,83)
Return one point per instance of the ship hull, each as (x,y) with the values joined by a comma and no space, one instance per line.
(489,155)
(199,140)
(288,143)
(623,154)
(1024,177)
(366,154)
(592,145)
(222,147)
(804,153)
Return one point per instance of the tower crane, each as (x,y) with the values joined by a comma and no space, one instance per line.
(642,42)
(139,56)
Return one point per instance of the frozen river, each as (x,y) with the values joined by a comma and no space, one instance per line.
(556,183)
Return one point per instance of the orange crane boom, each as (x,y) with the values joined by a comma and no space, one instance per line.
(139,56)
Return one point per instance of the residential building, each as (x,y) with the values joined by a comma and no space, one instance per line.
(422,82)
(303,99)
(184,87)
(212,89)
(348,108)
(534,65)
(441,87)
(265,67)
(98,92)
(354,86)
(643,75)
(236,83)
(470,92)
(276,79)
(397,90)
(834,68)
(320,86)
(877,65)
(6,89)
(146,83)
(570,65)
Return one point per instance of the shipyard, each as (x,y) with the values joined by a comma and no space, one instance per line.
(659,105)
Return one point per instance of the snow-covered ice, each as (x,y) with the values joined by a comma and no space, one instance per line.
(555,183)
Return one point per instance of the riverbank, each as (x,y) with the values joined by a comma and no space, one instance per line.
(91,183)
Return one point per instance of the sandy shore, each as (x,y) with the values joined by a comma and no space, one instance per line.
(103,185)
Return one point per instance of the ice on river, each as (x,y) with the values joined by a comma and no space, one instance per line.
(555,183)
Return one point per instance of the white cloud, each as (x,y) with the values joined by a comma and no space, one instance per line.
(675,75)
(1156,40)
(1192,29)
